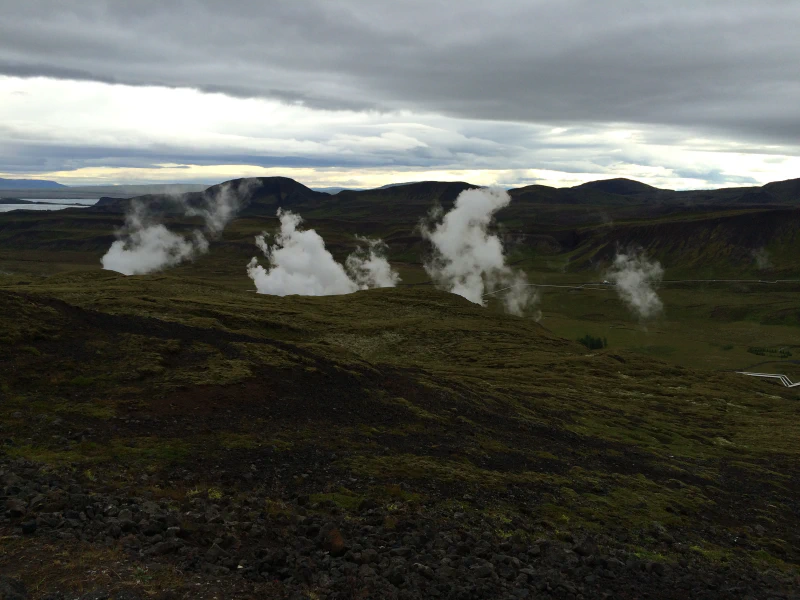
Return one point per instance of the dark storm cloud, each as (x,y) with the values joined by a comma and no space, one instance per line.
(714,176)
(48,153)
(30,158)
(728,67)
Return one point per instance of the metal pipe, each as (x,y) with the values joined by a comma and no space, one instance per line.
(783,378)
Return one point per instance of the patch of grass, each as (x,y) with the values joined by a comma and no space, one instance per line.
(239,441)
(344,499)
(417,411)
(149,452)
(52,457)
(93,409)
(83,380)
(411,467)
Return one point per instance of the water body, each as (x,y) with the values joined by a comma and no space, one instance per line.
(49,204)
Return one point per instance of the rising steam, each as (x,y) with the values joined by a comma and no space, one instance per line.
(469,261)
(145,245)
(300,264)
(368,266)
(636,278)
(761,258)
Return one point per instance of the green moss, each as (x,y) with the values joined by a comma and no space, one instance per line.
(417,411)
(343,499)
(149,452)
(83,381)
(237,441)
(93,409)
(49,456)
(410,466)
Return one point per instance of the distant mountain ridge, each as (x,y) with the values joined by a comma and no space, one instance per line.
(619,186)
(30,184)
(267,194)
(611,192)
(583,225)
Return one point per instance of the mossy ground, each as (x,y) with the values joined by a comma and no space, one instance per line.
(347,398)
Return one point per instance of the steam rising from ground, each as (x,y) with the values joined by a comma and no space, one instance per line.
(468,260)
(368,266)
(635,278)
(145,245)
(761,258)
(300,264)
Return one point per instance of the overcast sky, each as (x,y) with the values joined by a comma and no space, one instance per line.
(679,94)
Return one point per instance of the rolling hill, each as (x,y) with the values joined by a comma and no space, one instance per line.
(389,443)
(580,227)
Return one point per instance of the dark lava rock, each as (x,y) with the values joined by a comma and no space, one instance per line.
(96,595)
(367,504)
(12,589)
(15,508)
(29,527)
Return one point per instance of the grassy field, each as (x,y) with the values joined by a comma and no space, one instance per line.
(704,325)
(461,395)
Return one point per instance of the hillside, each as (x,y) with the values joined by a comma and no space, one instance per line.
(389,443)
(620,187)
(547,230)
(715,242)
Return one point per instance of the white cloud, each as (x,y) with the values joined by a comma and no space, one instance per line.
(88,132)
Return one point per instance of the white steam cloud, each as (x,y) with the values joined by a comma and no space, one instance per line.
(636,278)
(145,245)
(761,258)
(368,266)
(468,260)
(300,264)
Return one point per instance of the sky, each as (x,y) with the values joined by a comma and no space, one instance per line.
(363,93)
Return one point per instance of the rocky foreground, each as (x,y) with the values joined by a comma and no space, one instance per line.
(297,549)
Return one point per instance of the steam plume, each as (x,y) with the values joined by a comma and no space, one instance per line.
(300,264)
(635,278)
(368,266)
(145,245)
(148,247)
(761,258)
(468,260)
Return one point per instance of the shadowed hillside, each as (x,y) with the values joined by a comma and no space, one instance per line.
(726,242)
(621,187)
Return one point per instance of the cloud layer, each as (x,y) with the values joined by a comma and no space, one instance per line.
(620,87)
(580,60)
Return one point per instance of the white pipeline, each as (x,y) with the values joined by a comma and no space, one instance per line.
(783,378)
(608,285)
